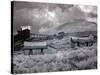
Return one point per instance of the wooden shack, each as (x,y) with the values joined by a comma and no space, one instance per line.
(29,47)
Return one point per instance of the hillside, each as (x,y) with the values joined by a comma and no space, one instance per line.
(75,26)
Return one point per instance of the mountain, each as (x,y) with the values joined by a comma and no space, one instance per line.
(78,25)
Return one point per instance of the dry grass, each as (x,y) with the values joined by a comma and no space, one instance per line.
(64,60)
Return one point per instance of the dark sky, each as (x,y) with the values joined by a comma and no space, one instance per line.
(46,17)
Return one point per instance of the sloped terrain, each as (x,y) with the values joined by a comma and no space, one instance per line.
(75,26)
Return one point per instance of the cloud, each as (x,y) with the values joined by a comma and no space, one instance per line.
(90,12)
(46,17)
(88,8)
(43,29)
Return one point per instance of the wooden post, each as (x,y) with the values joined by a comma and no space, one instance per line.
(72,43)
(87,44)
(78,44)
(30,52)
(26,52)
(91,43)
(42,51)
